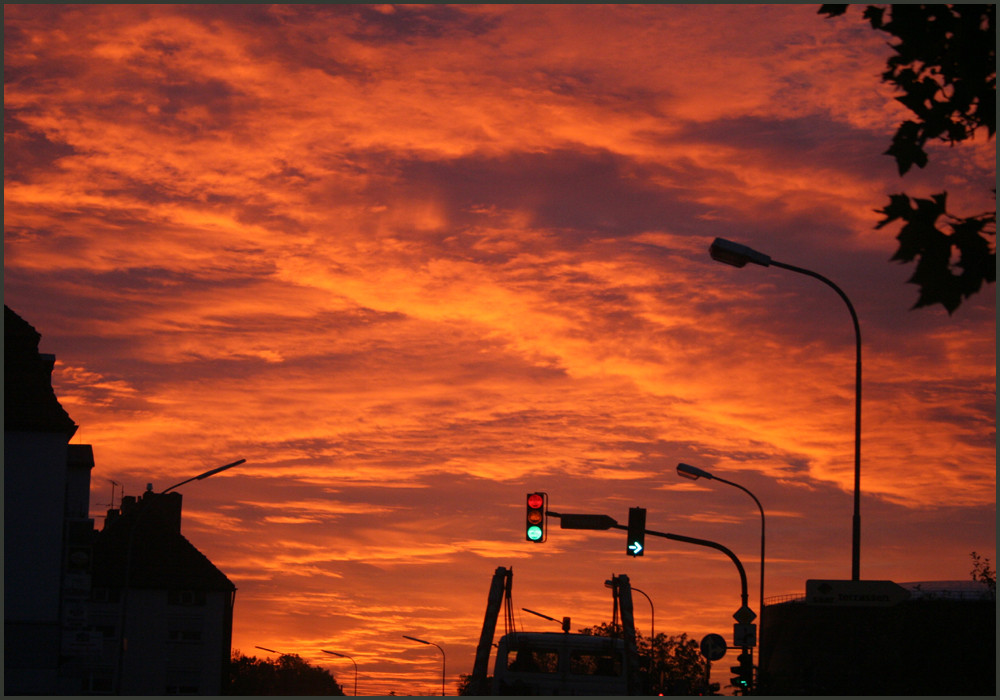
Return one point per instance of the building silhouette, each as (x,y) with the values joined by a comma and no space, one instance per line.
(131,609)
(940,640)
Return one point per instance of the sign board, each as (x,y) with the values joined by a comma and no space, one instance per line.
(854,593)
(713,647)
(744,636)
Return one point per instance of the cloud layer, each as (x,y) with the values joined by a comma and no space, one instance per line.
(413,262)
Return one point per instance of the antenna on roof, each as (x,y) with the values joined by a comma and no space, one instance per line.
(113,485)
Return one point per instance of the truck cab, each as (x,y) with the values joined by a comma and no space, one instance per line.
(553,663)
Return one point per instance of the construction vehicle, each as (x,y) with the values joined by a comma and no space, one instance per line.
(554,663)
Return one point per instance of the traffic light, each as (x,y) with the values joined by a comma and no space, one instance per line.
(636,545)
(743,681)
(534,521)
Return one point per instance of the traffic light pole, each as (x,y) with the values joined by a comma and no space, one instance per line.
(576,521)
(586,521)
(745,669)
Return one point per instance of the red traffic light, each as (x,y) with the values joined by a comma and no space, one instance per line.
(535,517)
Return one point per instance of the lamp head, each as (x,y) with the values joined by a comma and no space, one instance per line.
(736,254)
(686,470)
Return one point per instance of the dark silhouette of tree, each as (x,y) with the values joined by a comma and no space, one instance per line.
(983,572)
(465,683)
(671,665)
(289,675)
(945,66)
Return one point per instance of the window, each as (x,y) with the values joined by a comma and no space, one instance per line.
(180,597)
(591,663)
(533,660)
(185,635)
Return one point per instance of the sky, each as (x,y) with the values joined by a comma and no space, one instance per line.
(413,262)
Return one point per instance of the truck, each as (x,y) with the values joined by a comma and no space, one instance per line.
(554,663)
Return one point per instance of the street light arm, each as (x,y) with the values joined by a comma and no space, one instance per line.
(205,475)
(747,492)
(273,651)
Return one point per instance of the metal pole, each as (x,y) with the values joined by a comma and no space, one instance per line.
(761,509)
(337,653)
(856,520)
(415,639)
(652,615)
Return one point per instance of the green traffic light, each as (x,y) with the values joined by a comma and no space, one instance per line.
(534,533)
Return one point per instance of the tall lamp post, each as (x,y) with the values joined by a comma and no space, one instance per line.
(690,472)
(345,656)
(406,636)
(739,255)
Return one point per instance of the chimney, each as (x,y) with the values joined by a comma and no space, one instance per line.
(163,509)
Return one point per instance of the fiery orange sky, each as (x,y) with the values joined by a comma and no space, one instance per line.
(413,262)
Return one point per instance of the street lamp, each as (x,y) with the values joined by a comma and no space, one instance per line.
(279,653)
(133,528)
(565,620)
(739,255)
(345,656)
(652,615)
(690,472)
(205,475)
(406,636)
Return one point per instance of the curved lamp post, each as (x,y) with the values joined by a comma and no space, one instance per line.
(652,612)
(406,636)
(695,473)
(652,615)
(345,656)
(739,255)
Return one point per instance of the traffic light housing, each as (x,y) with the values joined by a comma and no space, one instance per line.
(743,680)
(636,544)
(534,521)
